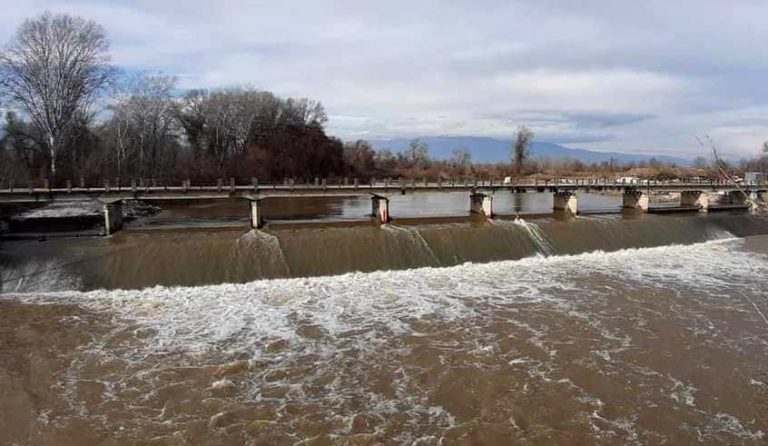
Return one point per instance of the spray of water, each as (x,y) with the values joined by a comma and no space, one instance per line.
(534,232)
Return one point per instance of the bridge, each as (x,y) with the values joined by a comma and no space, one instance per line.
(139,188)
(694,195)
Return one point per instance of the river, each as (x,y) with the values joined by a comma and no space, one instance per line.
(601,330)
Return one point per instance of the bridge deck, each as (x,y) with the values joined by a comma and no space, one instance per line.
(216,192)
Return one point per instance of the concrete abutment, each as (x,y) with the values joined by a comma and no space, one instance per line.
(635,199)
(481,204)
(695,198)
(257,219)
(380,209)
(113,216)
(566,201)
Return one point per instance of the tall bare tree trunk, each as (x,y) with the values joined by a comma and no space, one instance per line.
(53,149)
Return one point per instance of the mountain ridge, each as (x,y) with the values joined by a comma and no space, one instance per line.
(493,150)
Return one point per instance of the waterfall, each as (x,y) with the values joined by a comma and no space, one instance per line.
(532,229)
(416,236)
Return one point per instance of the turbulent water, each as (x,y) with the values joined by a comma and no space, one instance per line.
(634,345)
(205,256)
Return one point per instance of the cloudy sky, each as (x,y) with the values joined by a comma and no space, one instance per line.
(632,76)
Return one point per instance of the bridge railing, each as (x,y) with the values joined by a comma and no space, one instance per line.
(122,184)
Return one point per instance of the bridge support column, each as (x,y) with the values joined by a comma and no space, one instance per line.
(635,199)
(566,201)
(380,209)
(257,220)
(113,216)
(695,198)
(481,204)
(737,197)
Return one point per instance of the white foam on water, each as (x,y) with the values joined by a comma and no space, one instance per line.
(329,318)
(535,233)
(719,234)
(723,423)
(69,208)
(681,392)
(64,208)
(261,240)
(623,427)
(194,318)
(37,276)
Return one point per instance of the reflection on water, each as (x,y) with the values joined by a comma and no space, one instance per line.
(358,207)
(504,203)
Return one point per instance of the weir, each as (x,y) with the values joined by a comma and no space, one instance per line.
(174,258)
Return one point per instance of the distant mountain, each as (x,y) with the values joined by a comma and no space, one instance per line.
(491,150)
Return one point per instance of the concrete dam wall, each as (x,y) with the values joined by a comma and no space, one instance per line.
(132,260)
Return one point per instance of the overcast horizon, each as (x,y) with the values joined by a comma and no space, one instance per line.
(598,75)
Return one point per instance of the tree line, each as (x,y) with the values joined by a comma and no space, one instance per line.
(70,114)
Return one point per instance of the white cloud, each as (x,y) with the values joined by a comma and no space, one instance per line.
(597,73)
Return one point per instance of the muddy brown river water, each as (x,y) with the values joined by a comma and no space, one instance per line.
(630,341)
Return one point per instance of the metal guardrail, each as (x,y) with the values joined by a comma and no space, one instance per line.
(145,186)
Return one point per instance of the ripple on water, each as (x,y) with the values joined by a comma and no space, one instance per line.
(627,346)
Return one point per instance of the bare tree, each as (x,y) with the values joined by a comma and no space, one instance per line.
(23,143)
(520,148)
(359,156)
(725,171)
(230,115)
(700,162)
(418,153)
(222,123)
(461,158)
(54,66)
(304,112)
(385,160)
(119,129)
(143,123)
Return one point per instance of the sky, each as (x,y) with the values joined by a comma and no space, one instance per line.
(630,76)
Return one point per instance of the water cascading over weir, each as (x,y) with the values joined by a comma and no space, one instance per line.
(139,259)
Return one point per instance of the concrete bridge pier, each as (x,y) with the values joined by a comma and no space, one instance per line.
(635,199)
(380,208)
(740,198)
(566,201)
(113,215)
(257,220)
(759,196)
(695,198)
(481,204)
(737,197)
